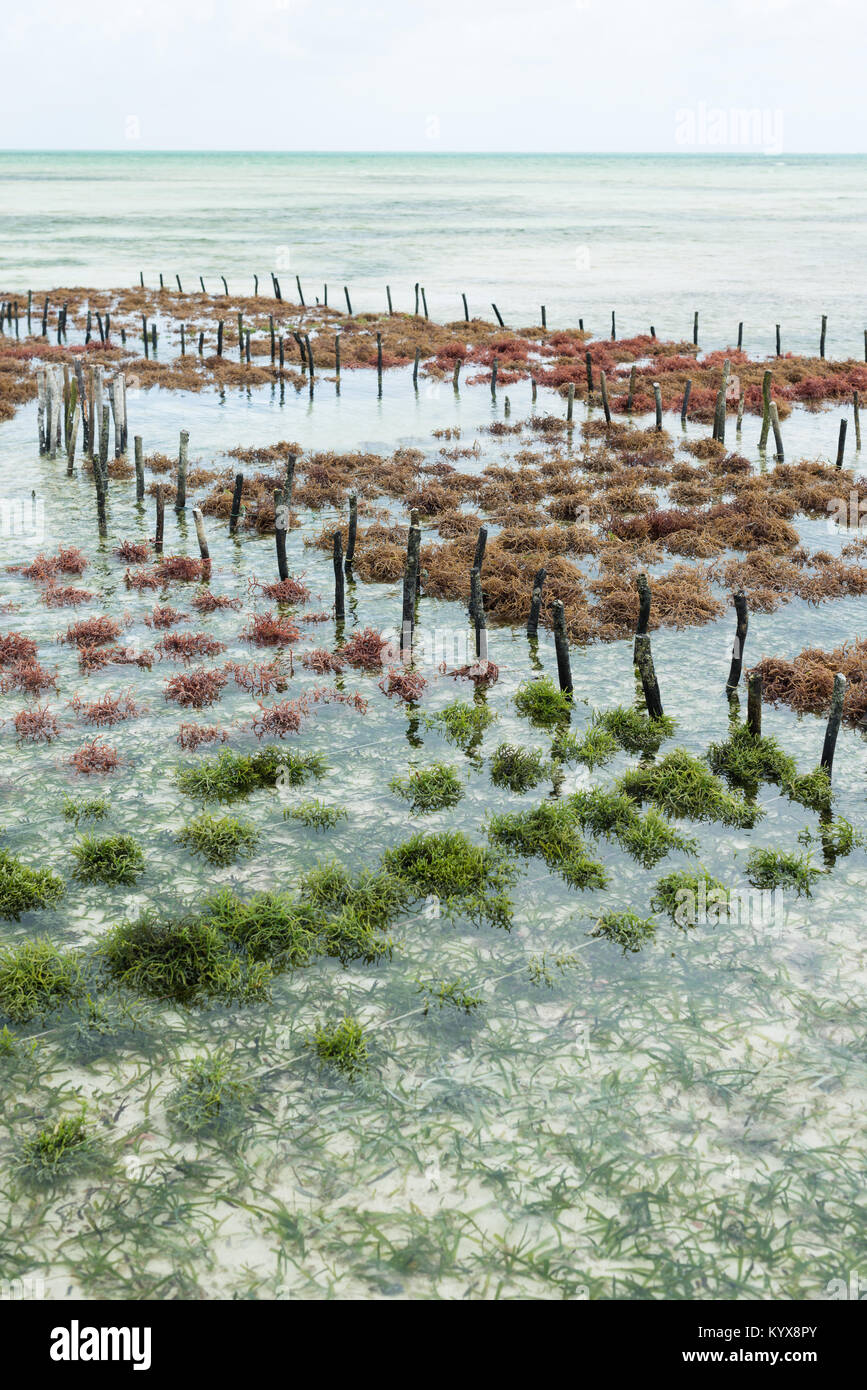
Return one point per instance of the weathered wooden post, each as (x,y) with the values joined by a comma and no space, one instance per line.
(841,444)
(684,406)
(139,469)
(202,538)
(778,437)
(754,703)
(766,410)
(643,657)
(160,526)
(561,647)
(536,602)
(834,717)
(281,522)
(352,531)
(657,396)
(742,623)
(236,503)
(181,498)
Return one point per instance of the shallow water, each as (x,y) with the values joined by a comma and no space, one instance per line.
(763,239)
(684,1122)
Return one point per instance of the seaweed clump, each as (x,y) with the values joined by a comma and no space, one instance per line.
(770,868)
(462,723)
(114,859)
(316,814)
(37,979)
(430,789)
(60,1150)
(685,789)
(184,959)
(612,814)
(464,879)
(543,703)
(231,776)
(210,1101)
(219,839)
(625,929)
(519,769)
(342,1046)
(23,889)
(680,893)
(549,833)
(633,731)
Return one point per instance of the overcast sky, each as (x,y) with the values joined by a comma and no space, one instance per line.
(444,75)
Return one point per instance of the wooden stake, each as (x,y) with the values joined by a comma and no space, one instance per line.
(684,407)
(281,522)
(754,704)
(841,444)
(139,469)
(822,335)
(605,406)
(834,717)
(766,410)
(201,537)
(499,315)
(561,647)
(236,503)
(775,426)
(740,602)
(478,613)
(536,602)
(160,526)
(181,498)
(353,529)
(649,683)
(657,396)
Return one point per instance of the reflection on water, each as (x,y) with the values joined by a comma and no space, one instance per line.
(684,1121)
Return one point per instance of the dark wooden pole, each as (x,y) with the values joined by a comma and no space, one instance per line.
(834,718)
(740,602)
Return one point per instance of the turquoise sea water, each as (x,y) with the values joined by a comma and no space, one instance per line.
(763,239)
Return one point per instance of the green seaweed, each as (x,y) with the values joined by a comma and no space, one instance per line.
(23,889)
(614,815)
(211,1100)
(429,789)
(625,929)
(113,859)
(79,808)
(543,703)
(342,1046)
(549,833)
(633,731)
(519,769)
(185,959)
(220,839)
(464,878)
(679,892)
(684,788)
(231,776)
(462,723)
(61,1150)
(37,979)
(596,746)
(451,993)
(770,868)
(315,814)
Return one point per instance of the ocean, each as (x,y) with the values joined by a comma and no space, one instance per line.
(759,239)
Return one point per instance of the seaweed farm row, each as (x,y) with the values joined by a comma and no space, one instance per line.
(433,832)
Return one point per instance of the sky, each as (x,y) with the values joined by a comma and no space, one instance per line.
(758,76)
